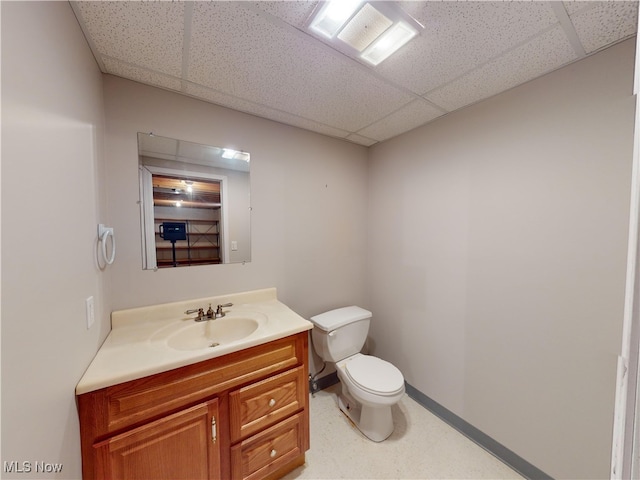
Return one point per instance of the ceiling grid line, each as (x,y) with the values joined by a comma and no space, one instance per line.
(258,57)
(186,42)
(400,108)
(493,59)
(187,82)
(569,30)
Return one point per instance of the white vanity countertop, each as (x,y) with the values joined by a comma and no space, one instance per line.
(137,344)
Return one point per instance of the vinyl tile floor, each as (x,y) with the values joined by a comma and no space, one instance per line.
(421,446)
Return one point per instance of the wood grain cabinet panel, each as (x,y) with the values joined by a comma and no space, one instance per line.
(180,446)
(249,408)
(264,403)
(260,455)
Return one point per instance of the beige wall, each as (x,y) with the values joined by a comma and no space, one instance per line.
(497,240)
(52,143)
(499,288)
(308,198)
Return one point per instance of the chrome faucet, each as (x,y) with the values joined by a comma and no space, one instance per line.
(201,316)
(219,313)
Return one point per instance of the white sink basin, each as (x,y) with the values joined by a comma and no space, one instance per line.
(213,333)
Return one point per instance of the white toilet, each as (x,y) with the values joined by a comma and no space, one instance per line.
(370,385)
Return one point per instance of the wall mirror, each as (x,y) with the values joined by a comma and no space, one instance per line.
(194,203)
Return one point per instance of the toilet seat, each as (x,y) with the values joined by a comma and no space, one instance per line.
(374,375)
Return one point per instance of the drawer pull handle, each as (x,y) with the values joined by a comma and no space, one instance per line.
(272,402)
(273,453)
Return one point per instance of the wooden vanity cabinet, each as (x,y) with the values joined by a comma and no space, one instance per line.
(149,451)
(243,415)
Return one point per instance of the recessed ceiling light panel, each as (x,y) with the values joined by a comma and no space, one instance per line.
(332,16)
(244,156)
(228,153)
(366,25)
(390,41)
(365,31)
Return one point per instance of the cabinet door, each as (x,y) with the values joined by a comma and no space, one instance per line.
(184,445)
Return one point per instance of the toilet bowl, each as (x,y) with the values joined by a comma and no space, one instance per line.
(370,385)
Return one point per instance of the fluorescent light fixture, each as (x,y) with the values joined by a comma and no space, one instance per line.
(367,31)
(244,156)
(228,152)
(332,16)
(365,26)
(388,43)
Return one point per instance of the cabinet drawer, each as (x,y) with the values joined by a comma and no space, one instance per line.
(138,400)
(269,450)
(264,403)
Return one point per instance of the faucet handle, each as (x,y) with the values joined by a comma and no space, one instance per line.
(219,312)
(200,311)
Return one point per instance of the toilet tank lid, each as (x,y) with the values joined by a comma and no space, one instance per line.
(339,317)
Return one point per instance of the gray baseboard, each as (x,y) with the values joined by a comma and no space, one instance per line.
(501,452)
(498,450)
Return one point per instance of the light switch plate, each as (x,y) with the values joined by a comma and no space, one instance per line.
(91,314)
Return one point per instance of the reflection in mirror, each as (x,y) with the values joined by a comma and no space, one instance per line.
(195,203)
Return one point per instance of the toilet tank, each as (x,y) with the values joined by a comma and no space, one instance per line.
(340,333)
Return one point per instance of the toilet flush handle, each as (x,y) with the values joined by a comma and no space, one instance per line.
(332,333)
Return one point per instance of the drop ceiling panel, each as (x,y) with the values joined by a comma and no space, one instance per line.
(572,7)
(461,35)
(293,12)
(262,111)
(142,75)
(241,53)
(258,57)
(355,138)
(507,71)
(148,34)
(402,120)
(604,22)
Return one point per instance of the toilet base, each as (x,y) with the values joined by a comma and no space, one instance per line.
(376,423)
